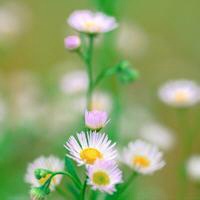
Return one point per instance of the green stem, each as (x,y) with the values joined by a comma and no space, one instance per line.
(69,175)
(88,61)
(84,189)
(186,149)
(124,187)
(127,184)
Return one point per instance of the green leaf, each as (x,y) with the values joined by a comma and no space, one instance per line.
(69,166)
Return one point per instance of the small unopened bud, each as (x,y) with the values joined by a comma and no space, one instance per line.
(37,193)
(96,120)
(41,173)
(72,42)
(126,73)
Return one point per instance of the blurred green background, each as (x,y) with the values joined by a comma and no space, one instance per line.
(160,38)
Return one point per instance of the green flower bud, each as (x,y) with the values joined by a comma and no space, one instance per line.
(41,173)
(126,74)
(38,193)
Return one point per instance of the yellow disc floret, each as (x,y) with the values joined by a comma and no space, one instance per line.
(141,161)
(90,155)
(181,96)
(101,178)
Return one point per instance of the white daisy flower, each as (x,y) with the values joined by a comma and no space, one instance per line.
(90,22)
(144,158)
(74,82)
(104,175)
(90,146)
(51,163)
(138,44)
(180,93)
(193,168)
(101,101)
(158,135)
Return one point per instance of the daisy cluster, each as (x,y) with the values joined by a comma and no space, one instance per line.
(92,149)
(98,154)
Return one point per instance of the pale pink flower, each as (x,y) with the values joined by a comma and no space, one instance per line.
(96,120)
(89,22)
(72,42)
(104,175)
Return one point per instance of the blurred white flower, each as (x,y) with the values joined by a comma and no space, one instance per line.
(142,157)
(133,118)
(74,82)
(180,93)
(101,101)
(2,110)
(132,40)
(193,167)
(13,18)
(158,135)
(51,163)
(90,22)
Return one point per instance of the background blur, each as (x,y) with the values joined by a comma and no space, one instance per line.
(160,39)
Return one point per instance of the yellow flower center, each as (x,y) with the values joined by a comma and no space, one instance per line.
(91,26)
(44,179)
(141,161)
(101,178)
(89,155)
(181,97)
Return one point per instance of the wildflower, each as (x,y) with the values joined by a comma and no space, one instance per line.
(180,93)
(138,45)
(104,175)
(50,163)
(101,101)
(92,23)
(144,158)
(96,120)
(72,42)
(193,167)
(74,82)
(158,135)
(90,146)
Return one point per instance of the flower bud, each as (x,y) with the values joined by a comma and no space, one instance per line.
(41,173)
(95,120)
(126,73)
(72,42)
(37,193)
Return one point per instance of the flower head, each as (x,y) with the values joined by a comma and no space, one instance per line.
(101,101)
(74,82)
(89,147)
(50,163)
(180,93)
(193,168)
(92,23)
(144,158)
(104,175)
(158,135)
(72,42)
(95,120)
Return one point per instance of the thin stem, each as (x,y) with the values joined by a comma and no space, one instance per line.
(127,184)
(88,61)
(69,175)
(84,189)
